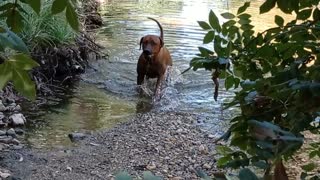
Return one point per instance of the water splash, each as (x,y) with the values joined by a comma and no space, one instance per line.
(168,99)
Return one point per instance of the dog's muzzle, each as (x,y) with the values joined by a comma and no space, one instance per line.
(147,54)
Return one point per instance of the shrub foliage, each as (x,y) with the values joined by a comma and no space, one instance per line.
(278,71)
(15,60)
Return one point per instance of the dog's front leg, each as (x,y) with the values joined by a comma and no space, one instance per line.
(157,93)
(140,80)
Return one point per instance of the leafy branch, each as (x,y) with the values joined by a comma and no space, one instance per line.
(278,74)
(10,66)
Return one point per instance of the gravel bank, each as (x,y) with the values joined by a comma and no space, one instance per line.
(168,144)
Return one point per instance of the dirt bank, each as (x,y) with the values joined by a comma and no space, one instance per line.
(168,144)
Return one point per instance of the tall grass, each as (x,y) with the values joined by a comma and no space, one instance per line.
(45,29)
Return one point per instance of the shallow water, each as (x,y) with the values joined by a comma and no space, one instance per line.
(108,93)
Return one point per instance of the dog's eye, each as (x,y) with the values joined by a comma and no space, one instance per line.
(153,43)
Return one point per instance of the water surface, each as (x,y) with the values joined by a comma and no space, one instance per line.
(108,93)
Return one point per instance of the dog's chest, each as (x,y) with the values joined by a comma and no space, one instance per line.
(152,70)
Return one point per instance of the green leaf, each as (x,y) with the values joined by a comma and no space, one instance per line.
(223,161)
(24,84)
(236,82)
(217,46)
(291,138)
(229,23)
(10,39)
(247,174)
(309,167)
(214,21)
(316,14)
(204,25)
(15,69)
(285,6)
(246,27)
(267,6)
(23,62)
(205,52)
(15,20)
(244,21)
(224,150)
(5,74)
(58,6)
(229,82)
(17,42)
(279,20)
(208,38)
(269,125)
(7,6)
(314,153)
(266,51)
(147,175)
(72,17)
(123,176)
(265,144)
(303,175)
(228,15)
(240,141)
(304,14)
(244,16)
(35,5)
(243,8)
(294,4)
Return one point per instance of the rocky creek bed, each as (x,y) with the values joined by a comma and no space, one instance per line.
(169,145)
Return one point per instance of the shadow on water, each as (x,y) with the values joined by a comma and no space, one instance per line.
(108,95)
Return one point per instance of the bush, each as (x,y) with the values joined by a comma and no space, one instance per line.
(278,71)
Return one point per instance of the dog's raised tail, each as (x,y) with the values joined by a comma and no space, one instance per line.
(161,30)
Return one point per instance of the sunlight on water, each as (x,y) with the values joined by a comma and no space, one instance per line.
(111,93)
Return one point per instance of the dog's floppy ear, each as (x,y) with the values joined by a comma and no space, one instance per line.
(141,43)
(161,42)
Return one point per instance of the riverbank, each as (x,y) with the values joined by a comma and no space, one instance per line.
(61,58)
(170,145)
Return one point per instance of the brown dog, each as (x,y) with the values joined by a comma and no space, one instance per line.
(154,59)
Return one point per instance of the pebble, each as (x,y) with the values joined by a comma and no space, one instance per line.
(3,133)
(11,132)
(17,119)
(6,139)
(1,115)
(168,145)
(16,147)
(2,124)
(17,108)
(4,175)
(19,131)
(15,141)
(76,136)
(151,166)
(203,149)
(69,168)
(2,107)
(206,166)
(177,178)
(2,147)
(211,136)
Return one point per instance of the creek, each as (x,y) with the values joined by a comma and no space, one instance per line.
(107,94)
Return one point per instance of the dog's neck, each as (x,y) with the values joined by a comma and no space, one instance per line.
(150,58)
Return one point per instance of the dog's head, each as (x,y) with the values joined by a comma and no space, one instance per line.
(151,45)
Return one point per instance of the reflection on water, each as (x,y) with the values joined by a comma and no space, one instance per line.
(88,109)
(111,95)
